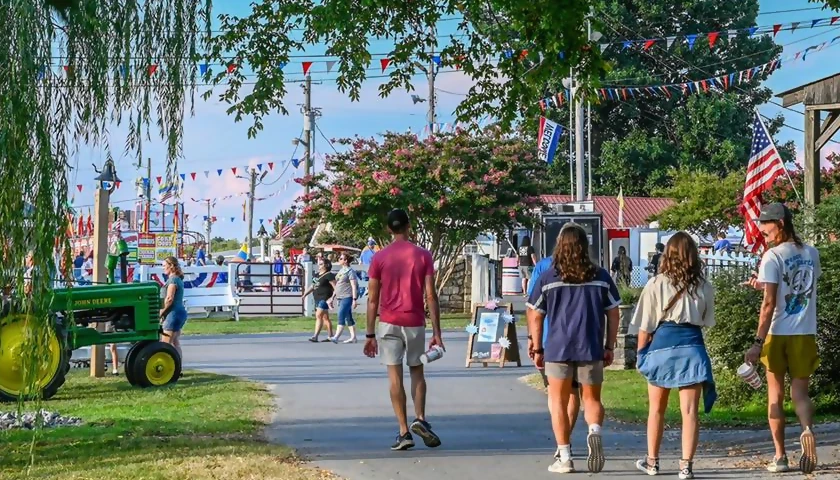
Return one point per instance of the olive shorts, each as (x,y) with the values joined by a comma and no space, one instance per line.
(585,373)
(793,354)
(401,343)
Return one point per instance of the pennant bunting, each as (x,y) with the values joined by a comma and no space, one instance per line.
(233,169)
(330,65)
(271,165)
(259,167)
(219,171)
(793,26)
(669,41)
(192,175)
(384,63)
(281,66)
(436,59)
(183,177)
(691,39)
(152,69)
(648,44)
(202,69)
(306,67)
(776,28)
(231,67)
(159,179)
(207,174)
(713,38)
(80,188)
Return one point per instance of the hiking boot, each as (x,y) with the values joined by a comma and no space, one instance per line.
(645,465)
(424,431)
(559,466)
(595,460)
(404,442)
(779,465)
(686,470)
(808,460)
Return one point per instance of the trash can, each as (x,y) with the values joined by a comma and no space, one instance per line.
(511,281)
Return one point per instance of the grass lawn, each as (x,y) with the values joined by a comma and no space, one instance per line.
(224,326)
(625,400)
(204,427)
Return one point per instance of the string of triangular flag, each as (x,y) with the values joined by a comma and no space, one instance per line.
(691,38)
(723,82)
(713,37)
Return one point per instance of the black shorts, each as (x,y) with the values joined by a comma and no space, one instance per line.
(575,384)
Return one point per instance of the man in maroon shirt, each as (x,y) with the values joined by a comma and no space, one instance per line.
(400,274)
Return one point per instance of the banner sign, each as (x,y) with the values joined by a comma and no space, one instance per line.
(146,248)
(547,139)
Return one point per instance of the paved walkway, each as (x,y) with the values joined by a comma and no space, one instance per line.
(333,407)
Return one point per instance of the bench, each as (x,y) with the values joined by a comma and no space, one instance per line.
(212,297)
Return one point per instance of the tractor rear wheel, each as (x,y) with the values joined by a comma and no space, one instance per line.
(131,359)
(156,364)
(51,369)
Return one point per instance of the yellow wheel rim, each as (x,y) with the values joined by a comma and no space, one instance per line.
(160,368)
(15,342)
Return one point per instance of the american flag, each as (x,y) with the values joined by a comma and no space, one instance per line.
(166,192)
(287,229)
(764,168)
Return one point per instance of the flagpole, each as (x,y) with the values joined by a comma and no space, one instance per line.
(784,167)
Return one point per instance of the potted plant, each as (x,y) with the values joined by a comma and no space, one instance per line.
(629,297)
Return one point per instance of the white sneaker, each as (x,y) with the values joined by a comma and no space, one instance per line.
(562,467)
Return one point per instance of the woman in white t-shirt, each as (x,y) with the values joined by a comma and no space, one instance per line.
(674,308)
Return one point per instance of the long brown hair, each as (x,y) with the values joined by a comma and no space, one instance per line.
(571,255)
(176,267)
(681,264)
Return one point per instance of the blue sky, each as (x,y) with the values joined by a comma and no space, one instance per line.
(212,140)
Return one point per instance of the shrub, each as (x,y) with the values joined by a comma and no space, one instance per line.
(828,323)
(628,295)
(736,313)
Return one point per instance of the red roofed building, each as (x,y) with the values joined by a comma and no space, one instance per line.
(637,210)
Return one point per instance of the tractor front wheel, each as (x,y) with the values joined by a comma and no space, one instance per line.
(131,360)
(50,367)
(156,364)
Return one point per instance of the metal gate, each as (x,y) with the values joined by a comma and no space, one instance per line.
(262,292)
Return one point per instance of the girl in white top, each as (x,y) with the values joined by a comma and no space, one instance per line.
(673,308)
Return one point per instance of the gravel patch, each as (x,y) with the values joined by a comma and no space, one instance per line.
(29,420)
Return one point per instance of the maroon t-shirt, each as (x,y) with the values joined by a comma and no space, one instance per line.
(401,269)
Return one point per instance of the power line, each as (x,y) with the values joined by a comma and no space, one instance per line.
(789,11)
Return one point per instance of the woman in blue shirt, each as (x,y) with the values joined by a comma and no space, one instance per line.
(173,315)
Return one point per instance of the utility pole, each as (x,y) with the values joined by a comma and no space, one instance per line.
(431,74)
(148,195)
(589,148)
(208,227)
(250,220)
(308,120)
(572,91)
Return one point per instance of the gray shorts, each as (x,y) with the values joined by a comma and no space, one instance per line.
(398,344)
(585,373)
(526,272)
(575,384)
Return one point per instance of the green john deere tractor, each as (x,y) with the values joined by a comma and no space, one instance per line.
(130,314)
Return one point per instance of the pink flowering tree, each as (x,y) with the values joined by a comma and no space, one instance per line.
(454,187)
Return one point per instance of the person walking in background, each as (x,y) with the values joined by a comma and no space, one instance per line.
(346,292)
(173,315)
(399,276)
(653,266)
(322,290)
(672,311)
(786,341)
(573,407)
(278,270)
(622,267)
(366,257)
(201,255)
(576,296)
(722,244)
(527,260)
